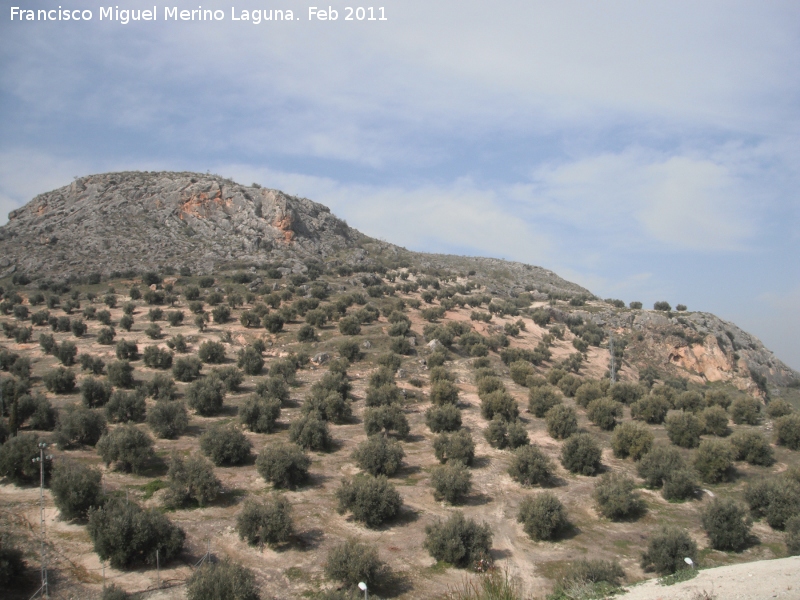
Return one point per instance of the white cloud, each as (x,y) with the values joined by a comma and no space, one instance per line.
(640,197)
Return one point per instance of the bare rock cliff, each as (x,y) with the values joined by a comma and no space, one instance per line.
(135,220)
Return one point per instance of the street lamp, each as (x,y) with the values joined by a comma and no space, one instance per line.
(689,562)
(363,587)
(44,589)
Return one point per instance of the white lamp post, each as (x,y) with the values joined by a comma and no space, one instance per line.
(363,587)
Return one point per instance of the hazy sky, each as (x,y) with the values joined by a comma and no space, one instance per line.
(648,151)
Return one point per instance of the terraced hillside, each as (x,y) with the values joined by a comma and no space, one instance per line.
(219,374)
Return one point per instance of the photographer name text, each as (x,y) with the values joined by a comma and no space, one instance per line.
(125,16)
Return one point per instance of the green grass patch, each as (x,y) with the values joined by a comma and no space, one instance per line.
(294,573)
(678,576)
(151,487)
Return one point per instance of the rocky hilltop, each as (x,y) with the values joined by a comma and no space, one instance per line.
(115,222)
(136,221)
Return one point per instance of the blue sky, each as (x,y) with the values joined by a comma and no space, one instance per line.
(648,151)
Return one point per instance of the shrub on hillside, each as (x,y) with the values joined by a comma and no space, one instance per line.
(746,411)
(126,350)
(59,381)
(657,464)
(454,446)
(127,535)
(502,434)
(752,447)
(352,562)
(379,455)
(250,361)
(689,401)
(371,500)
(311,432)
(106,336)
(680,484)
(168,419)
(157,358)
(588,391)
(616,498)
(779,408)
(386,419)
(268,522)
(331,407)
(15,459)
(604,413)
(793,536)
(714,460)
(127,446)
(541,399)
(531,466)
(631,439)
(178,343)
(684,429)
(206,396)
(350,350)
(95,392)
(581,454)
(12,567)
(273,388)
(451,481)
(520,371)
(120,374)
(568,384)
(459,541)
(224,579)
(542,516)
(191,481)
(667,549)
(593,576)
(126,406)
(651,409)
(225,445)
(625,392)
(260,414)
(443,418)
(382,396)
(787,431)
(726,523)
(562,421)
(499,403)
(79,426)
(444,392)
(283,465)
(94,364)
(777,499)
(716,421)
(211,352)
(349,326)
(37,411)
(186,368)
(718,398)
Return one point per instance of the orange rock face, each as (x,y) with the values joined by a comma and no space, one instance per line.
(200,205)
(284,223)
(706,359)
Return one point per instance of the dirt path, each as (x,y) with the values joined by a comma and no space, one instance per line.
(760,580)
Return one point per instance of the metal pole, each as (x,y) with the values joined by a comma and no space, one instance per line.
(611,350)
(104,575)
(44,588)
(158,570)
